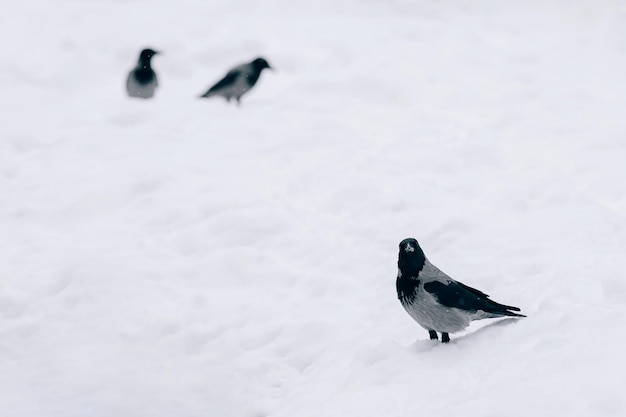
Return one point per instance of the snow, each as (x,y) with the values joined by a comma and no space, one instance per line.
(185,257)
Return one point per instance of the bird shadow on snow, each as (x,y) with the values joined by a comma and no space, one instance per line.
(428,345)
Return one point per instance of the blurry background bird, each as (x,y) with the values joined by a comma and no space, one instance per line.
(142,80)
(239,80)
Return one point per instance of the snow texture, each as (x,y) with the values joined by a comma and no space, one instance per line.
(183,257)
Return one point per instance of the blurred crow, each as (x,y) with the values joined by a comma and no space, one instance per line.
(142,80)
(238,81)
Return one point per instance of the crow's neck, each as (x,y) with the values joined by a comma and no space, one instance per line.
(145,63)
(411,266)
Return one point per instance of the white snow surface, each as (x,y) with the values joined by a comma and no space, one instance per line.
(184,257)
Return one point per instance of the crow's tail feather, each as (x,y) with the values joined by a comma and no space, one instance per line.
(504,309)
(511,314)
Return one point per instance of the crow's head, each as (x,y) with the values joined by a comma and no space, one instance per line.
(411,258)
(146,55)
(260,64)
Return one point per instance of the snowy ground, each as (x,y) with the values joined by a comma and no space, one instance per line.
(182,257)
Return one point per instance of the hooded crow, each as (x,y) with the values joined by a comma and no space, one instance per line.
(437,302)
(238,81)
(142,80)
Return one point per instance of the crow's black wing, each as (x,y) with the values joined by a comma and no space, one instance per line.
(227,81)
(457,295)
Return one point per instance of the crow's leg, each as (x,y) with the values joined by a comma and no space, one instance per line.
(445,337)
(433,335)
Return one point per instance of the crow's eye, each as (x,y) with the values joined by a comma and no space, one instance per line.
(409,248)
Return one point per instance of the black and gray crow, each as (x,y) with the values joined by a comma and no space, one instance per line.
(437,302)
(238,81)
(142,80)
